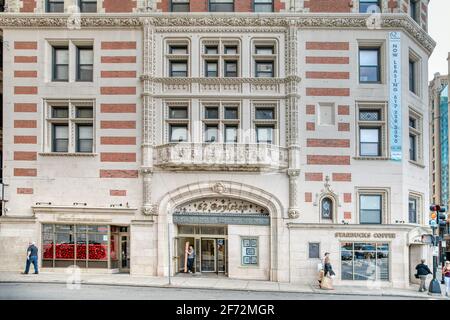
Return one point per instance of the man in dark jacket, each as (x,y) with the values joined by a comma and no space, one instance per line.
(422,271)
(32,257)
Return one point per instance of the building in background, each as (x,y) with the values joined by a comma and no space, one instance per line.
(439,147)
(264,138)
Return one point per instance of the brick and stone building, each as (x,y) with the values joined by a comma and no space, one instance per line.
(264,136)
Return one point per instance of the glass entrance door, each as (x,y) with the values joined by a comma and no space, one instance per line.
(208,255)
(221,255)
(124,260)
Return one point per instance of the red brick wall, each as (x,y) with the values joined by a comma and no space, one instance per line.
(328,5)
(28,6)
(119,5)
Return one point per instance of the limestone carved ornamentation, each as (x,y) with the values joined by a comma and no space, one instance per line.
(327,191)
(151,210)
(294,213)
(180,23)
(219,188)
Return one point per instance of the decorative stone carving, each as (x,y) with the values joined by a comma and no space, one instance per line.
(327,191)
(151,210)
(294,213)
(219,188)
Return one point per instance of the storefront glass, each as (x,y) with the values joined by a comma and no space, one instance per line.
(83,245)
(365,261)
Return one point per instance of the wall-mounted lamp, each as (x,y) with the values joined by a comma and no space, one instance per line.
(43,203)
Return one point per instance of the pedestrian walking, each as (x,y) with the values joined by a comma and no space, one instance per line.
(327,279)
(422,272)
(32,257)
(446,273)
(191,259)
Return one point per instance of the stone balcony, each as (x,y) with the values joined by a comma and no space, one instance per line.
(220,157)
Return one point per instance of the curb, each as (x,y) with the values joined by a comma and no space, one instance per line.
(166,286)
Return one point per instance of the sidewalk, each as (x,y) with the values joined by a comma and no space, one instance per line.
(196,282)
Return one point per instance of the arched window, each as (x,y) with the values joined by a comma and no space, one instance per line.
(326,207)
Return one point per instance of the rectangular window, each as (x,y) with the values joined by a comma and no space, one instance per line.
(60,138)
(371,130)
(180,6)
(231,68)
(264,69)
(249,251)
(231,134)
(264,113)
(231,50)
(87,6)
(264,134)
(412,76)
(365,261)
(370,209)
(221,5)
(85,64)
(314,250)
(178,113)
(211,113)
(211,69)
(231,113)
(415,137)
(178,49)
(264,50)
(55,6)
(263,5)
(178,69)
(369,65)
(211,49)
(85,140)
(71,127)
(414,10)
(412,210)
(211,133)
(367,6)
(60,64)
(178,132)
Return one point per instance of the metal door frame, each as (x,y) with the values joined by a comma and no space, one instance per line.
(215,254)
(121,234)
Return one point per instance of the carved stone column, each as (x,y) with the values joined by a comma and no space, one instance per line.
(148,117)
(292,104)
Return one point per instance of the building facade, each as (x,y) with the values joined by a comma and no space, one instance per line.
(264,138)
(439,146)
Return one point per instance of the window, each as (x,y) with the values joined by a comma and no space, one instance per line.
(369,65)
(178,69)
(314,250)
(55,6)
(178,60)
(412,209)
(366,6)
(371,130)
(71,119)
(221,57)
(85,64)
(414,10)
(88,5)
(326,208)
(249,251)
(231,68)
(2,5)
(265,120)
(365,261)
(178,123)
(221,5)
(83,245)
(179,6)
(415,136)
(60,64)
(412,76)
(221,123)
(370,211)
(264,60)
(211,68)
(263,5)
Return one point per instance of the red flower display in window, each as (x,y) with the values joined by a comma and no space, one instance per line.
(48,251)
(97,252)
(65,251)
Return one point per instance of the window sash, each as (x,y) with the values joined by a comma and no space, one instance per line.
(412,147)
(264,69)
(221,5)
(265,114)
(178,113)
(60,138)
(178,49)
(264,134)
(178,133)
(412,210)
(88,6)
(412,76)
(178,69)
(231,69)
(179,6)
(364,5)
(212,113)
(231,134)
(370,214)
(369,145)
(211,133)
(60,68)
(85,134)
(55,6)
(263,6)
(369,66)
(231,113)
(211,69)
(85,64)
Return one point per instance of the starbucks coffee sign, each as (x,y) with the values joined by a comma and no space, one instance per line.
(365,235)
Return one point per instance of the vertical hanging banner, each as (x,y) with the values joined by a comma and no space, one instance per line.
(395,96)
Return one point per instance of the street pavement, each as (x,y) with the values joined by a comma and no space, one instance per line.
(57,291)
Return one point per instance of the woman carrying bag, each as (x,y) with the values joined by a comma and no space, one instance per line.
(328,273)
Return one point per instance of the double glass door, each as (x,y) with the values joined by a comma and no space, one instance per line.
(124,257)
(213,255)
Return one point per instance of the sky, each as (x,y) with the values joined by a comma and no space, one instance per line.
(439,30)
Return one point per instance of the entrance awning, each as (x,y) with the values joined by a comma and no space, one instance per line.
(221,218)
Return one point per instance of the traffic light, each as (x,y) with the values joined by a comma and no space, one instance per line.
(442,219)
(438,217)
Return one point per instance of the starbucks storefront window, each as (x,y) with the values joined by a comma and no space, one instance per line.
(365,261)
(85,246)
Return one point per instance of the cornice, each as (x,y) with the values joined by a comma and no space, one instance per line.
(214,22)
(189,80)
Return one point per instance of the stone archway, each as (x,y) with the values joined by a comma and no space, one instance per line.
(226,189)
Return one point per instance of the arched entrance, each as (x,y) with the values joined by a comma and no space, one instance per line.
(233,228)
